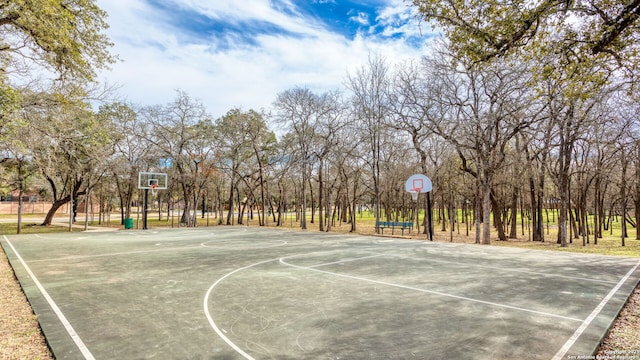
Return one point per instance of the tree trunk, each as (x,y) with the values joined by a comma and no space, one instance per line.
(513,232)
(566,148)
(281,204)
(562,221)
(497,218)
(303,202)
(320,195)
(352,215)
(20,202)
(241,208)
(486,211)
(230,202)
(623,196)
(442,211)
(637,197)
(313,203)
(327,212)
(597,211)
(262,219)
(54,208)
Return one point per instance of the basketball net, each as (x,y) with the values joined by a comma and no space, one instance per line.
(414,194)
(154,189)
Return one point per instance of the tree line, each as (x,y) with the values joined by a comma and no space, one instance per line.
(493,140)
(505,136)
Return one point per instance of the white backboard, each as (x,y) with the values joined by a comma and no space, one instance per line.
(146,180)
(418,182)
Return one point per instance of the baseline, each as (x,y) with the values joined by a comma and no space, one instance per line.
(63,319)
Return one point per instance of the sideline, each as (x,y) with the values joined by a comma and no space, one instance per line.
(67,325)
(564,349)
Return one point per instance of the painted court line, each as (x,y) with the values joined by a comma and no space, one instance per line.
(284,262)
(80,257)
(346,260)
(67,325)
(210,318)
(60,238)
(218,242)
(565,348)
(502,269)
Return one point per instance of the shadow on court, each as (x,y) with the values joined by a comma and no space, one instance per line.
(250,293)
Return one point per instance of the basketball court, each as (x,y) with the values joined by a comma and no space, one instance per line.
(257,293)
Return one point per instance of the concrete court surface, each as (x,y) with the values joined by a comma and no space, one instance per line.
(255,293)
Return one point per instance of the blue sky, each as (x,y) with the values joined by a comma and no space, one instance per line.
(242,53)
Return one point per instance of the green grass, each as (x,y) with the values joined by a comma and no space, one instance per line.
(610,244)
(24,216)
(606,246)
(30,228)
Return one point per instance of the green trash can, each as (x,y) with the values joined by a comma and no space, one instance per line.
(128,223)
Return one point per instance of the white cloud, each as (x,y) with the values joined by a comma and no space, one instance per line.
(157,60)
(361,18)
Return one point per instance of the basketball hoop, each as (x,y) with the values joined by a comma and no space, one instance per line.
(414,194)
(154,189)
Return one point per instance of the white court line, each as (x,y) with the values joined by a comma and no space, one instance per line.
(565,348)
(346,260)
(508,269)
(60,238)
(210,318)
(79,257)
(283,262)
(279,243)
(67,325)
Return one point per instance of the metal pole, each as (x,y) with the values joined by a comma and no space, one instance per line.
(430,213)
(417,211)
(146,208)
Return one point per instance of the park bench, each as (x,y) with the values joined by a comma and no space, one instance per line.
(393,225)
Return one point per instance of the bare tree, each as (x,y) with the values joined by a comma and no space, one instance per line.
(18,169)
(181,131)
(70,151)
(131,150)
(371,104)
(313,120)
(569,113)
(242,138)
(263,143)
(477,109)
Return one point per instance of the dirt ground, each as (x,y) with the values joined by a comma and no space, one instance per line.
(623,341)
(20,335)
